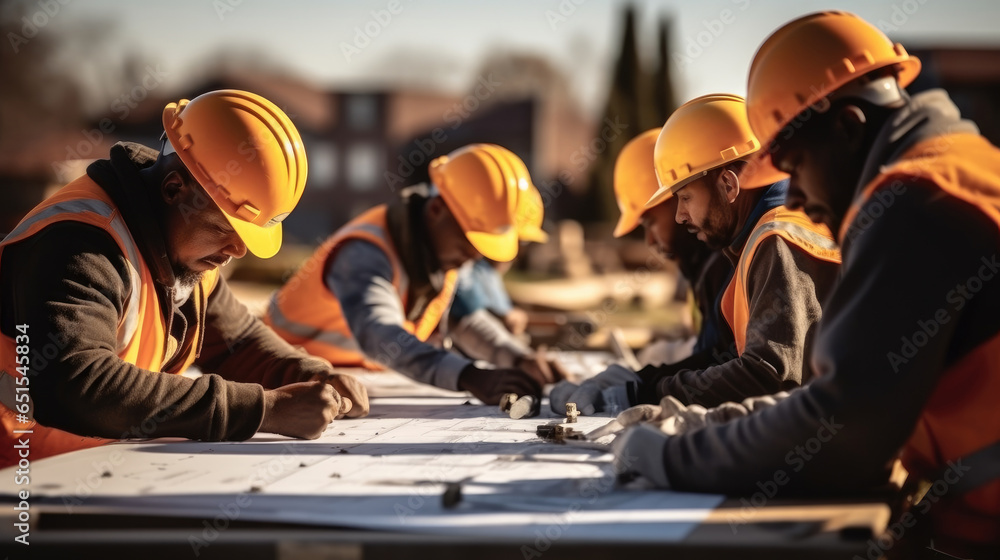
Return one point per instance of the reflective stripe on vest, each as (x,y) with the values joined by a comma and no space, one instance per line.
(792,226)
(334,338)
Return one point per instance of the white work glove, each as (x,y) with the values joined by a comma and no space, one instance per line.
(606,391)
(674,418)
(639,451)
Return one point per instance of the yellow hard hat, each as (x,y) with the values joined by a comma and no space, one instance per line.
(529,210)
(635,180)
(808,58)
(704,134)
(479,186)
(247,155)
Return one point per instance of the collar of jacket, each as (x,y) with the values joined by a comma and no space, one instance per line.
(408,228)
(771,198)
(925,115)
(120,177)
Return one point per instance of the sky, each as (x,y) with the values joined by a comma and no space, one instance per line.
(356,43)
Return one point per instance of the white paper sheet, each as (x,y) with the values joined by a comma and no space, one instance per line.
(385,472)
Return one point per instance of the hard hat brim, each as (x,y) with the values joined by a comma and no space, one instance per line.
(759,172)
(627,222)
(263,242)
(533,234)
(661,196)
(499,247)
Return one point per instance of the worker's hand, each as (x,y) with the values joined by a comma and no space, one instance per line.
(488,385)
(560,395)
(350,389)
(516,320)
(671,416)
(540,367)
(302,410)
(639,451)
(605,392)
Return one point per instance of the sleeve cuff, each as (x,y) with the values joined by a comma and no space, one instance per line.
(448,370)
(245,411)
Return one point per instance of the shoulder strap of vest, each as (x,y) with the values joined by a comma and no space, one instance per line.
(365,227)
(781,221)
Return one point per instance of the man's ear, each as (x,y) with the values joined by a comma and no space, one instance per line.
(729,184)
(850,124)
(435,208)
(174,189)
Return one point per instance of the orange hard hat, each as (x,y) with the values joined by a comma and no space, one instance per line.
(635,180)
(809,58)
(479,185)
(247,155)
(703,134)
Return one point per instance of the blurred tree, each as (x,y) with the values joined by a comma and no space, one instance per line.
(664,101)
(637,101)
(35,99)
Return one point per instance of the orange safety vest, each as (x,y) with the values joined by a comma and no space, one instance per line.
(306,313)
(142,337)
(794,227)
(961,416)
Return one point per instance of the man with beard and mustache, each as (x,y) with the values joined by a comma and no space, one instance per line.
(909,345)
(706,270)
(112,285)
(784,267)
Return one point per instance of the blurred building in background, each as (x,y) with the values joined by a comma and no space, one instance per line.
(972,79)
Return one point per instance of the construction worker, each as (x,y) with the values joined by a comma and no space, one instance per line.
(374,292)
(784,266)
(112,284)
(909,346)
(481,299)
(707,271)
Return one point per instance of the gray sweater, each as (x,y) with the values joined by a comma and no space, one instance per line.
(786,288)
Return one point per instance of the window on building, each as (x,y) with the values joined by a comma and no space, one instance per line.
(364,165)
(322,158)
(362,112)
